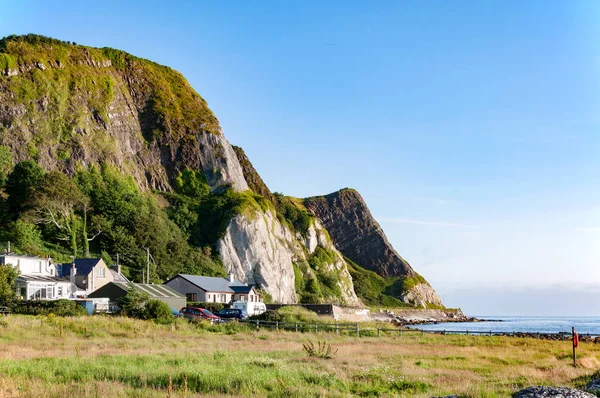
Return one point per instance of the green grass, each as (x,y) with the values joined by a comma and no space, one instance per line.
(118,357)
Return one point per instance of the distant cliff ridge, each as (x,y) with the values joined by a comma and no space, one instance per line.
(356,233)
(360,238)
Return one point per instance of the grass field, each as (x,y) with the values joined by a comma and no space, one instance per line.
(121,357)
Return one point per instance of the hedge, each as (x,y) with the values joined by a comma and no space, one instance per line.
(57,307)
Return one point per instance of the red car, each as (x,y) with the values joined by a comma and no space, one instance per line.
(193,313)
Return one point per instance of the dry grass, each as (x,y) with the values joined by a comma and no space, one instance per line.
(114,357)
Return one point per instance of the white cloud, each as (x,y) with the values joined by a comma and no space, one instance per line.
(424,222)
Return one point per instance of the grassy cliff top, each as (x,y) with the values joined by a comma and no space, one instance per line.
(173,104)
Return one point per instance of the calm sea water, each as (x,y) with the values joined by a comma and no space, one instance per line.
(524,324)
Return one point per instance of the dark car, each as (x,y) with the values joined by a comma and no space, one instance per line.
(231,313)
(198,314)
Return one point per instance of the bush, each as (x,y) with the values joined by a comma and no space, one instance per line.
(158,310)
(212,307)
(59,307)
(269,315)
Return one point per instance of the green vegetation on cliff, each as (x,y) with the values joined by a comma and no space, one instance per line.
(315,281)
(376,290)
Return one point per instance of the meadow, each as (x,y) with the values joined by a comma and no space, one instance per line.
(105,356)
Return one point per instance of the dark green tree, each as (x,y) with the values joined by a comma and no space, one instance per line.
(8,277)
(20,185)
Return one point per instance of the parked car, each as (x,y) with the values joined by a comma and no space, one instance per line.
(193,313)
(231,313)
(176,314)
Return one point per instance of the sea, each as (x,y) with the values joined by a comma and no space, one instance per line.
(524,324)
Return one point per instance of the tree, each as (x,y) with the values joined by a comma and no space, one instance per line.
(133,303)
(8,277)
(54,202)
(20,185)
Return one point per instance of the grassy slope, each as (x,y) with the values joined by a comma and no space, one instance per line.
(120,357)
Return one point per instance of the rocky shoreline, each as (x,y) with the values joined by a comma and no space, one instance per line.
(411,317)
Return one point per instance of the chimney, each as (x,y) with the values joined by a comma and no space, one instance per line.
(231,278)
(73,273)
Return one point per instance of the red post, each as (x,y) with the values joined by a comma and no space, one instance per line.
(575,339)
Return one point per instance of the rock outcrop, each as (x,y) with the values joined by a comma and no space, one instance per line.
(552,392)
(356,233)
(257,251)
(358,236)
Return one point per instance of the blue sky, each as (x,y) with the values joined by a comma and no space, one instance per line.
(470,128)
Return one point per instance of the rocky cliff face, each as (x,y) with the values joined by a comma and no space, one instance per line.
(68,106)
(359,237)
(356,233)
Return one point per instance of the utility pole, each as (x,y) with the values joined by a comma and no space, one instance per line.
(147,265)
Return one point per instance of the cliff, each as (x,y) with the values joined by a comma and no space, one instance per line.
(141,161)
(356,233)
(358,236)
(67,106)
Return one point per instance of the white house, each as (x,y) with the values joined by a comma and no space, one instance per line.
(38,279)
(212,290)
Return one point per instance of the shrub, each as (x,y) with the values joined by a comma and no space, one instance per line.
(321,350)
(158,310)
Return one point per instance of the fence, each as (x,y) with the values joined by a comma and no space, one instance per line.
(321,309)
(356,330)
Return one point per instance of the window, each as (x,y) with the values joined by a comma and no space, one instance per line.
(243,298)
(192,296)
(59,291)
(101,272)
(208,298)
(223,298)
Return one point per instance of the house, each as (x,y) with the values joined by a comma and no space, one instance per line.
(210,289)
(38,279)
(115,290)
(90,274)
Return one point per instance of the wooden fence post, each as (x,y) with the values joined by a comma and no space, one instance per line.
(277,325)
(337,331)
(296,326)
(378,332)
(257,324)
(316,326)
(357,331)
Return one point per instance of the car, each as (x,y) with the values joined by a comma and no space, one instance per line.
(231,313)
(176,314)
(197,314)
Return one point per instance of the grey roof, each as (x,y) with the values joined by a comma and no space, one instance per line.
(211,283)
(117,277)
(41,278)
(241,289)
(155,291)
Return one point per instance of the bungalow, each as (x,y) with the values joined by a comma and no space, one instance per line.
(212,290)
(38,279)
(90,274)
(115,290)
